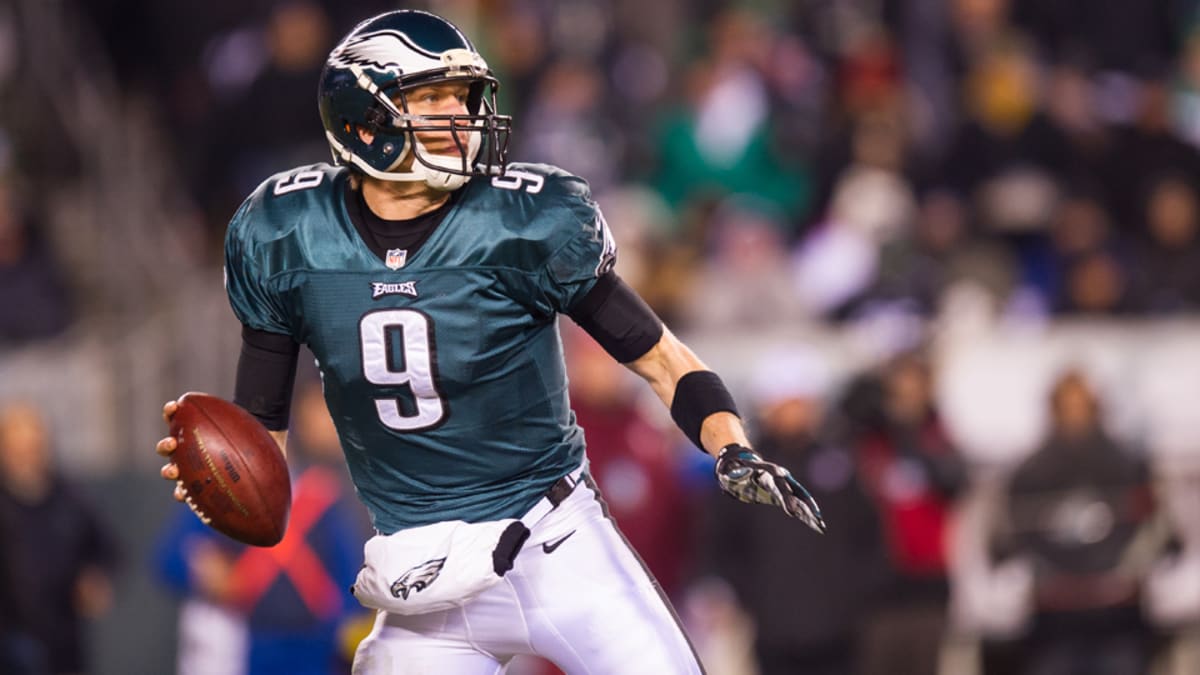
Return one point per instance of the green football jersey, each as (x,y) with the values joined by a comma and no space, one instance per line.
(443,368)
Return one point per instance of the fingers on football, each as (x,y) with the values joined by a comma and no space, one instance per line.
(166,446)
(170,471)
(180,493)
(168,411)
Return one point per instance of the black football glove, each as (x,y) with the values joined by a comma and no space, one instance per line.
(744,475)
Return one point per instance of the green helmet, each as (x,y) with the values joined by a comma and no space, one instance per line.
(363,87)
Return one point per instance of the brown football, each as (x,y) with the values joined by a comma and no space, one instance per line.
(232,472)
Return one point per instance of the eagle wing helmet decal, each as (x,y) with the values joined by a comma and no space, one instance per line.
(380,50)
(417,578)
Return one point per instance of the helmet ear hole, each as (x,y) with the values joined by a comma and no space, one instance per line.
(375,118)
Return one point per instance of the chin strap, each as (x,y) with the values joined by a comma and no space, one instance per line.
(433,176)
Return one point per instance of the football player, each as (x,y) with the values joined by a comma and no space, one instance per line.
(425,273)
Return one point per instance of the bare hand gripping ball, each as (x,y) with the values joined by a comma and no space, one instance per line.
(233,475)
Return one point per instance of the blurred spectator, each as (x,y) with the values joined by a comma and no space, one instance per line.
(807,594)
(1080,513)
(1096,285)
(923,33)
(264,118)
(866,124)
(564,124)
(1071,105)
(1080,226)
(976,26)
(1166,258)
(1007,153)
(942,249)
(721,141)
(290,602)
(747,259)
(872,203)
(34,302)
(1146,148)
(193,561)
(519,45)
(57,555)
(798,84)
(913,473)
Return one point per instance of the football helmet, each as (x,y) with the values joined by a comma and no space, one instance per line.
(363,87)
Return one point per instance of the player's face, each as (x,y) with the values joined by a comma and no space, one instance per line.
(446,98)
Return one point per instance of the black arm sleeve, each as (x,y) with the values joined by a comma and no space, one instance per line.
(617,318)
(266,373)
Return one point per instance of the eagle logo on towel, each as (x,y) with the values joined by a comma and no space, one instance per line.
(418,578)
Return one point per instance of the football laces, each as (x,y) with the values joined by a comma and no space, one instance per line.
(187,499)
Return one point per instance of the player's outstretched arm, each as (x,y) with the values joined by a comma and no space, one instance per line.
(664,367)
(628,329)
(705,411)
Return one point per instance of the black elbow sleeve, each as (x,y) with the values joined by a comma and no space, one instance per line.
(266,373)
(618,319)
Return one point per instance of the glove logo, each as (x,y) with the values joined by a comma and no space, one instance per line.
(417,578)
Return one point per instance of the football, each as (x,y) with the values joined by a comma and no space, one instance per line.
(233,475)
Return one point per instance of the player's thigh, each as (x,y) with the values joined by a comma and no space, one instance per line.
(599,610)
(397,647)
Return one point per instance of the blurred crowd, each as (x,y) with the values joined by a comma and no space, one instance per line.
(834,158)
(813,165)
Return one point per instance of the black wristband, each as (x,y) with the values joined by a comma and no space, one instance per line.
(699,394)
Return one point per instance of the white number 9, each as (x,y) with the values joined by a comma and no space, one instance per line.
(415,369)
(515,179)
(301,180)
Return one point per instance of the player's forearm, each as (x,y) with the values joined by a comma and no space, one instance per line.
(666,362)
(662,367)
(720,429)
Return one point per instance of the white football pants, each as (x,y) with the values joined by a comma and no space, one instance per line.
(577,595)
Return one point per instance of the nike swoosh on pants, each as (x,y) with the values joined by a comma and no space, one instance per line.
(549,547)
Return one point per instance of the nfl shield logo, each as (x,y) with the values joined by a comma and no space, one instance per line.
(396,257)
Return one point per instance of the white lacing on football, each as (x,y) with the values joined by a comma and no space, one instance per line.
(187,499)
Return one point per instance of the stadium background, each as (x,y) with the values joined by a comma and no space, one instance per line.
(803,189)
